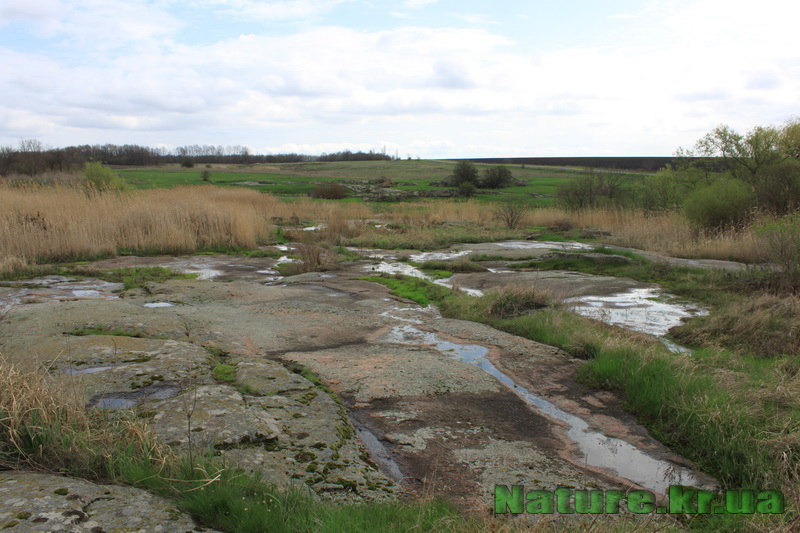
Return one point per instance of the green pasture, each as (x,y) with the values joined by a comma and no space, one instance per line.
(297,179)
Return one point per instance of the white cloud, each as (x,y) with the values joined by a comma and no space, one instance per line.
(416,4)
(118,74)
(93,24)
(273,9)
(475,18)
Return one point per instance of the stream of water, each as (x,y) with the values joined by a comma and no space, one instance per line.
(596,449)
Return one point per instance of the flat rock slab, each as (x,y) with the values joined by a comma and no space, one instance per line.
(210,416)
(40,502)
(557,283)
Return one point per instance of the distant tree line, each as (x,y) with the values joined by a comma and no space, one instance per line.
(31,157)
(650,164)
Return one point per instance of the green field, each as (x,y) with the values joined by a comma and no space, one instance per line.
(296,179)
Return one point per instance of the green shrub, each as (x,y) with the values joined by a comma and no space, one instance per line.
(466,189)
(723,204)
(100,178)
(465,172)
(781,240)
(497,177)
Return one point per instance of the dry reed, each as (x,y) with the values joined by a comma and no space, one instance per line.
(44,425)
(59,223)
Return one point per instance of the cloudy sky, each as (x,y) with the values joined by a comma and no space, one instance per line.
(422,78)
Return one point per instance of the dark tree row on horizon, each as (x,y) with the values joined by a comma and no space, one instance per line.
(31,157)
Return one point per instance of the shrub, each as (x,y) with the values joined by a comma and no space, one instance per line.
(497,177)
(781,240)
(513,301)
(596,189)
(511,213)
(206,175)
(721,205)
(466,189)
(100,178)
(329,191)
(187,162)
(465,172)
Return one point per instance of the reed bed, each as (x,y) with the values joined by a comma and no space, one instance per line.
(40,224)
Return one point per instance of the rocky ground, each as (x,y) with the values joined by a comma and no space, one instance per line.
(406,417)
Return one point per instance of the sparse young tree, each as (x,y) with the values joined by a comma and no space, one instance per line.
(511,214)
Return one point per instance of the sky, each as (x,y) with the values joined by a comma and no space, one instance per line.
(416,78)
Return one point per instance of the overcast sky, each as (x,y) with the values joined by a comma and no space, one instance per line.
(422,78)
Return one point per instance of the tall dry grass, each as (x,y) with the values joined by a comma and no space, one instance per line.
(61,223)
(44,425)
(668,233)
(432,212)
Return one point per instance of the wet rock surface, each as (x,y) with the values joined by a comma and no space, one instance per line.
(436,424)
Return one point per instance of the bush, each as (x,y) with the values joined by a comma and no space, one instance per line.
(329,191)
(596,189)
(188,162)
(781,240)
(466,189)
(512,301)
(511,213)
(465,172)
(497,177)
(723,204)
(100,178)
(206,175)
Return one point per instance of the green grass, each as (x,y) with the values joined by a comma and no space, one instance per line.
(134,277)
(434,238)
(768,327)
(224,373)
(295,179)
(414,289)
(84,332)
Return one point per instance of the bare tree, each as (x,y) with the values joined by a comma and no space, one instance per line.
(511,213)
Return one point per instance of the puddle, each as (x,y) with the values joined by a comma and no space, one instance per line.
(543,245)
(379,453)
(202,273)
(645,310)
(373,253)
(87,370)
(113,402)
(315,228)
(411,314)
(438,256)
(448,282)
(596,449)
(398,268)
(58,289)
(128,400)
(156,305)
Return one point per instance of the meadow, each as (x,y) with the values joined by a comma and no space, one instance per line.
(297,179)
